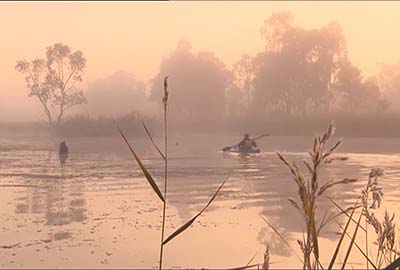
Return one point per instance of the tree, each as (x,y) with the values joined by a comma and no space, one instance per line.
(234,100)
(243,76)
(199,84)
(118,94)
(52,80)
(297,72)
(389,81)
(359,95)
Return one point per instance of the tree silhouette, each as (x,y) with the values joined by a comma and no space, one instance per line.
(304,71)
(389,81)
(52,80)
(199,84)
(118,94)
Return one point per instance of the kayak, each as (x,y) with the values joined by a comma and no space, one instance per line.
(236,149)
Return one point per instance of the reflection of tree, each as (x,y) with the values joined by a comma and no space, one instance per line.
(63,159)
(259,182)
(265,184)
(60,200)
(267,236)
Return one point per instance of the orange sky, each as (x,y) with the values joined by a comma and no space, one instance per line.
(134,36)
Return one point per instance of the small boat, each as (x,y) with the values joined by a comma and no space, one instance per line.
(241,150)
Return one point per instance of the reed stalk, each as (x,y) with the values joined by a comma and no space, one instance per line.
(153,183)
(309,190)
(165,102)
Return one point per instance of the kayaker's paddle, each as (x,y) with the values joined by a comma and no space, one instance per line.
(260,136)
(225,149)
(257,137)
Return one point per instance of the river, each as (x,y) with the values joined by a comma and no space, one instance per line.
(98,211)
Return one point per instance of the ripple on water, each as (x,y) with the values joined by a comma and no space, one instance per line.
(99,210)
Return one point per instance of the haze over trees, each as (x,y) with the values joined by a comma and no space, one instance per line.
(389,81)
(119,94)
(198,82)
(303,72)
(300,74)
(53,80)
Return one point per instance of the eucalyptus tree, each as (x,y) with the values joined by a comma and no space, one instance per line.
(53,80)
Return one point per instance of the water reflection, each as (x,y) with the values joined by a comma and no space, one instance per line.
(263,182)
(106,189)
(61,199)
(63,158)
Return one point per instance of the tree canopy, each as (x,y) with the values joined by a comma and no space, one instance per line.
(119,94)
(199,81)
(53,80)
(303,71)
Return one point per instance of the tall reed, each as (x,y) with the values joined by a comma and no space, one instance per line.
(310,189)
(153,184)
(165,103)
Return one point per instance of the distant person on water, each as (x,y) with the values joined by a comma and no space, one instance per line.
(247,143)
(63,148)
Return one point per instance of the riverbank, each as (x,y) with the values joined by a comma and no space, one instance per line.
(84,126)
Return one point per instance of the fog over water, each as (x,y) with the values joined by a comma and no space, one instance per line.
(139,38)
(99,207)
(74,76)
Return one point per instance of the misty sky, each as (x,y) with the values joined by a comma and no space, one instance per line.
(134,36)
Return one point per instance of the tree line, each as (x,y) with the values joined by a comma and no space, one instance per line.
(301,72)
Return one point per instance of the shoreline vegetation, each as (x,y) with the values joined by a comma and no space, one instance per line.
(380,250)
(311,188)
(308,180)
(87,126)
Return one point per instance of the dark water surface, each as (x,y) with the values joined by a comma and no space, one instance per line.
(97,211)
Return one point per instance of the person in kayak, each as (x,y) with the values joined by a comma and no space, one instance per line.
(247,143)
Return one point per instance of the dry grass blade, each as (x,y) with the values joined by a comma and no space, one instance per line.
(243,267)
(285,162)
(358,247)
(190,222)
(151,139)
(295,205)
(323,222)
(334,216)
(337,144)
(252,258)
(265,265)
(351,242)
(144,170)
(394,265)
(313,231)
(181,229)
(282,238)
(344,211)
(333,183)
(310,170)
(340,241)
(214,196)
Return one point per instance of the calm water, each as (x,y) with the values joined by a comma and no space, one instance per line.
(98,211)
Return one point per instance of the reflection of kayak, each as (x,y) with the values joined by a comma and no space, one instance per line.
(236,149)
